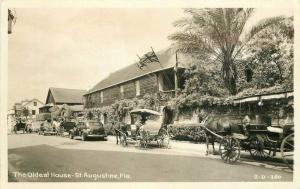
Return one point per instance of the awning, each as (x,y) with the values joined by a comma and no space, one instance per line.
(47,105)
(264,97)
(145,112)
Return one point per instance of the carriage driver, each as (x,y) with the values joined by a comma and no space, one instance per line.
(246,122)
(139,123)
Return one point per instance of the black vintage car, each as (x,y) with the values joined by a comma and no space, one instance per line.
(65,128)
(88,129)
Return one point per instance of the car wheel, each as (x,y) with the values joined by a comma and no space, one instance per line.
(84,137)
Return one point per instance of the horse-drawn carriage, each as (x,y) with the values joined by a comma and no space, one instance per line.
(20,126)
(147,126)
(261,139)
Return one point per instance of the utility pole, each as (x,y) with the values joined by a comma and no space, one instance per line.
(175,75)
(176,85)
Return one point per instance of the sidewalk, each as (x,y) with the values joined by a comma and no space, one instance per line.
(181,147)
(199,150)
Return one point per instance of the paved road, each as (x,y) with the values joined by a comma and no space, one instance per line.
(37,158)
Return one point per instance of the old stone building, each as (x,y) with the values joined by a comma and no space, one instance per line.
(157,78)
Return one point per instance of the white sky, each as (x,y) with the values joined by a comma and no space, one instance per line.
(77,47)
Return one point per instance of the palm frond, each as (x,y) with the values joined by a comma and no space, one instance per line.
(263,24)
(286,27)
(183,22)
(189,42)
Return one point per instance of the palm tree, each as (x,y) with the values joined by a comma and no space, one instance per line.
(218,36)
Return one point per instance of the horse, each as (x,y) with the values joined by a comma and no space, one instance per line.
(214,125)
(118,128)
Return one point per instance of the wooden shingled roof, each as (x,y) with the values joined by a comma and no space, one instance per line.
(167,60)
(66,96)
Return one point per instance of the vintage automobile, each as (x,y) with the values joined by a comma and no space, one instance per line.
(65,128)
(88,129)
(47,129)
(148,127)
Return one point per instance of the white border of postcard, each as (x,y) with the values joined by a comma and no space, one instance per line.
(138,4)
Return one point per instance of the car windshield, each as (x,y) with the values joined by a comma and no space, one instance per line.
(93,124)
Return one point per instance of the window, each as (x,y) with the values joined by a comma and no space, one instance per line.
(248,73)
(33,112)
(101,96)
(137,88)
(122,91)
(35,103)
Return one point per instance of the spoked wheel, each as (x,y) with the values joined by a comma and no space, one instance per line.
(123,140)
(143,143)
(258,148)
(164,138)
(287,150)
(229,149)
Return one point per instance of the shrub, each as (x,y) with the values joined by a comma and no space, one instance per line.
(187,133)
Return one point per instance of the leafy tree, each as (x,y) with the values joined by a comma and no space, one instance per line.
(203,81)
(55,112)
(90,115)
(150,101)
(25,112)
(269,57)
(67,112)
(219,36)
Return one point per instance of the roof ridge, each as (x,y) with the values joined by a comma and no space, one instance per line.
(66,88)
(132,71)
(32,100)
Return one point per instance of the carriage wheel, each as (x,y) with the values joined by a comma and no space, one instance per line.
(258,149)
(143,143)
(123,140)
(287,150)
(140,139)
(164,138)
(229,149)
(143,140)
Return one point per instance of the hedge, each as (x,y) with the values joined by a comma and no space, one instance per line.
(185,132)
